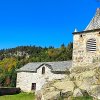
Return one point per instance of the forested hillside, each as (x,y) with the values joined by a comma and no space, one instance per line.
(14,58)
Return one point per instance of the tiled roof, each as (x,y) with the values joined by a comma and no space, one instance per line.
(95,22)
(55,66)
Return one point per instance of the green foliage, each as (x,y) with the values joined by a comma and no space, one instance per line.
(14,58)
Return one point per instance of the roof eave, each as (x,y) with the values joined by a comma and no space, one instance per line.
(87,31)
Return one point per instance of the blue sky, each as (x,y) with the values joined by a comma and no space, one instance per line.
(43,22)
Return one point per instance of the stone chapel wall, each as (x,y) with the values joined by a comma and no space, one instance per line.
(81,56)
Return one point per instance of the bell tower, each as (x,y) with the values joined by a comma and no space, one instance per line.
(86,44)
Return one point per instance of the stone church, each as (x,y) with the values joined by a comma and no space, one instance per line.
(86,44)
(33,76)
(86,50)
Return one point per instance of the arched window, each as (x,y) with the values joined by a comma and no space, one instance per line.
(43,70)
(91,45)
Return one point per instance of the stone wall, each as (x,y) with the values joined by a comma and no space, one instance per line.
(25,79)
(80,54)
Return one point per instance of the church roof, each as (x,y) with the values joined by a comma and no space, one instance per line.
(59,66)
(95,22)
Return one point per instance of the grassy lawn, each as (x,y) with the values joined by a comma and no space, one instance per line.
(30,96)
(21,96)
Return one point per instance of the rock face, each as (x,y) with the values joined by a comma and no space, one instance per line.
(53,90)
(64,85)
(88,80)
(78,83)
(77,92)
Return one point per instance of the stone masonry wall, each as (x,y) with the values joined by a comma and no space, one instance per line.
(25,79)
(82,57)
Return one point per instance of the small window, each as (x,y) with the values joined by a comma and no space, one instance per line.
(81,36)
(33,86)
(91,45)
(43,70)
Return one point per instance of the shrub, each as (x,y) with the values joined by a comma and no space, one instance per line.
(9,91)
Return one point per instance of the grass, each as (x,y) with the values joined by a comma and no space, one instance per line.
(31,96)
(21,96)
